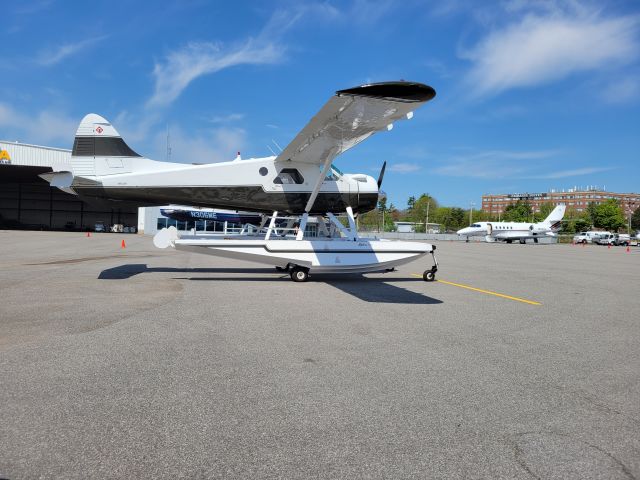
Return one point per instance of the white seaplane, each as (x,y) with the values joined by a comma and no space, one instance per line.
(300,184)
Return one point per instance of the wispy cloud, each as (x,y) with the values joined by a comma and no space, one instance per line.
(549,46)
(52,56)
(404,167)
(493,164)
(516,165)
(46,126)
(576,172)
(182,66)
(29,8)
(232,117)
(207,146)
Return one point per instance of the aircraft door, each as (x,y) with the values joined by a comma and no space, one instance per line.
(354,193)
(489,228)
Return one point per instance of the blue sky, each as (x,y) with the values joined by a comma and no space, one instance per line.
(530,95)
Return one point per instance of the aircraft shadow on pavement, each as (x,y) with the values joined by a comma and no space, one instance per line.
(378,289)
(123,272)
(369,289)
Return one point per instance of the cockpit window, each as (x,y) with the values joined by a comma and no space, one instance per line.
(477,225)
(333,174)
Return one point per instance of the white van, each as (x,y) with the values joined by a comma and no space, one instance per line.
(588,237)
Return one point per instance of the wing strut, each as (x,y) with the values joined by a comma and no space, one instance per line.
(316,189)
(312,198)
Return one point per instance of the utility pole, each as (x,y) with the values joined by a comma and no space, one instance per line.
(471,213)
(426,224)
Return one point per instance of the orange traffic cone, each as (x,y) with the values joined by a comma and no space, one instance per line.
(123,245)
(88,234)
(628,249)
(609,246)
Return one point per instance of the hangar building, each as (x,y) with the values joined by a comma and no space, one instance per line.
(28,202)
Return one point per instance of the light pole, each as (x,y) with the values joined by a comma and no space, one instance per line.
(471,213)
(426,224)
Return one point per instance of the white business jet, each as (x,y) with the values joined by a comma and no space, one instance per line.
(510,231)
(299,182)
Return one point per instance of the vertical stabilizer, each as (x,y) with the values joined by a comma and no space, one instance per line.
(554,220)
(96,138)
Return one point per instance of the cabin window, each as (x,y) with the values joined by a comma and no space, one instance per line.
(289,176)
(263,171)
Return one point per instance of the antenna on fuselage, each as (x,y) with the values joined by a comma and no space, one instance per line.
(168,144)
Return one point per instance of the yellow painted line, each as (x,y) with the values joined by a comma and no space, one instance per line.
(488,292)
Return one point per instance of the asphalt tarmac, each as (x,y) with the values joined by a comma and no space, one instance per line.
(145,363)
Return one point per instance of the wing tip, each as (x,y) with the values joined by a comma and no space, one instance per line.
(399,91)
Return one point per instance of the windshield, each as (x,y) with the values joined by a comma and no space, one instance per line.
(334,173)
(477,225)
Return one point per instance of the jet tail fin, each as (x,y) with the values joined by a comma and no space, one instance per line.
(554,220)
(96,137)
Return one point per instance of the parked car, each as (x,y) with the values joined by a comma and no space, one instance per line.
(100,227)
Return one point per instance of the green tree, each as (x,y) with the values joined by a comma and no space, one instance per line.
(477,216)
(581,224)
(635,219)
(424,205)
(518,212)
(609,215)
(591,212)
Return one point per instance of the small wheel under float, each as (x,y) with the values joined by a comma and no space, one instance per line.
(429,275)
(299,274)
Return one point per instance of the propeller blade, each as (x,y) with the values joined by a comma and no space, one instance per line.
(381,176)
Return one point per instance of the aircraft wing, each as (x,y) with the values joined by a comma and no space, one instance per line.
(353,115)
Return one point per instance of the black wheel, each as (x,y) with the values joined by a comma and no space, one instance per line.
(299,274)
(429,276)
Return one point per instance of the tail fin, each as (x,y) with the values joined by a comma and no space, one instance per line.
(554,220)
(96,137)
